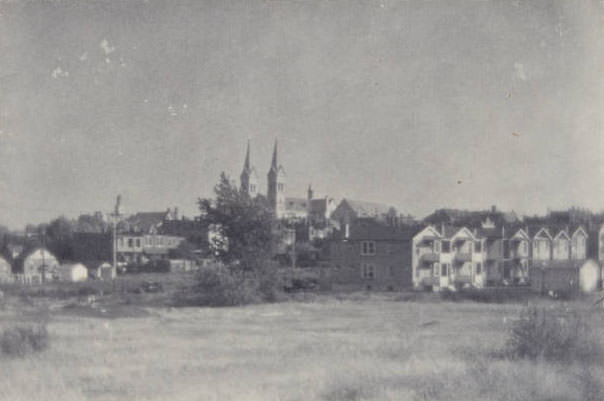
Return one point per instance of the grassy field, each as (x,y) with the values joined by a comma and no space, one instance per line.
(353,347)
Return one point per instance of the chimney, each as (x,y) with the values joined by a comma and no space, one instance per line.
(175,213)
(309,192)
(346,231)
(493,209)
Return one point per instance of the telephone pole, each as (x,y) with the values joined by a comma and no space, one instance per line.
(115,217)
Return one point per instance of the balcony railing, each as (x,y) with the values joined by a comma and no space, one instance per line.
(463,279)
(430,257)
(463,257)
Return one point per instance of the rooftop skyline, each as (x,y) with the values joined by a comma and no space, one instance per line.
(421,105)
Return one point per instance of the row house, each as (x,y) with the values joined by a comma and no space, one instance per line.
(451,257)
(511,253)
(372,254)
(558,246)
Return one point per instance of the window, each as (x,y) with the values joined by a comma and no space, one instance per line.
(280,187)
(525,247)
(436,270)
(138,243)
(367,271)
(443,269)
(446,246)
(130,243)
(252,188)
(478,246)
(368,248)
(436,246)
(478,268)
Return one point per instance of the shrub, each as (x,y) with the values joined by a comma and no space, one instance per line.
(219,286)
(553,334)
(21,340)
(486,295)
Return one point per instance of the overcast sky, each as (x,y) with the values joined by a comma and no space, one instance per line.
(416,104)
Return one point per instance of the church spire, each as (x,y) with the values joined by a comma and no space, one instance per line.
(246,163)
(249,180)
(276,185)
(274,162)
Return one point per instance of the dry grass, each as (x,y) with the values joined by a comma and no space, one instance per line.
(357,348)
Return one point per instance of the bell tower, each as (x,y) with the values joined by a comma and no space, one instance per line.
(276,185)
(249,179)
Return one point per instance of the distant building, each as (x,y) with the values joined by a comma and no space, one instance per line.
(450,258)
(350,210)
(472,218)
(72,272)
(292,209)
(6,273)
(368,254)
(36,265)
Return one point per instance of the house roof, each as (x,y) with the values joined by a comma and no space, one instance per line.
(368,209)
(144,221)
(561,233)
(296,204)
(373,230)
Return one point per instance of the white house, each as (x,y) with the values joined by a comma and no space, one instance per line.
(6,273)
(73,272)
(37,265)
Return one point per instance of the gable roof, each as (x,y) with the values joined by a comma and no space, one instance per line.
(465,230)
(579,229)
(423,230)
(541,230)
(520,232)
(561,233)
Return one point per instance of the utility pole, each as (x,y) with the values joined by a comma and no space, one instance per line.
(43,252)
(115,219)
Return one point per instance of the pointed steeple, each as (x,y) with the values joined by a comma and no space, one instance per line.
(246,163)
(274,162)
(276,185)
(249,180)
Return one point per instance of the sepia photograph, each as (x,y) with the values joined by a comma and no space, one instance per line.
(301,200)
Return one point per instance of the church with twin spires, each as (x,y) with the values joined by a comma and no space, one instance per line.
(309,209)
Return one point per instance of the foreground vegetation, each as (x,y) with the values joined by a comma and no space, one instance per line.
(337,347)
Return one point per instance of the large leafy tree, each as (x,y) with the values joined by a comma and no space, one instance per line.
(59,238)
(241,226)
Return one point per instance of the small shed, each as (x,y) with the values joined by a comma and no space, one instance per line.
(100,270)
(6,273)
(590,276)
(73,272)
(106,272)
